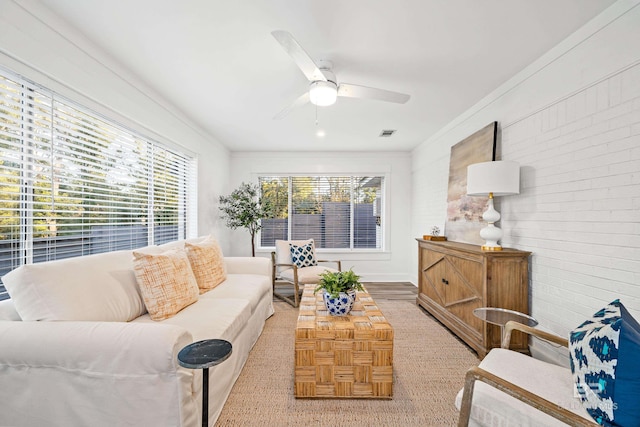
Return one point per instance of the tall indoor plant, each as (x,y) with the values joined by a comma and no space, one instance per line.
(243,209)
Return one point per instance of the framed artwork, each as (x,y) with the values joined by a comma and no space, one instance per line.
(464,213)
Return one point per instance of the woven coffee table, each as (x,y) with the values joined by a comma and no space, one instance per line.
(343,356)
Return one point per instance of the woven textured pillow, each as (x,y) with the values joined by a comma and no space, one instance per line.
(604,360)
(166,282)
(207,263)
(304,255)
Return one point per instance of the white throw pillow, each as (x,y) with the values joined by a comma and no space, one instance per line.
(8,311)
(99,287)
(179,244)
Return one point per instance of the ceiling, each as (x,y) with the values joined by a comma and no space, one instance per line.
(216,61)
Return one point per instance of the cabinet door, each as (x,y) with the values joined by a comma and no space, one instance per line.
(433,270)
(454,283)
(464,290)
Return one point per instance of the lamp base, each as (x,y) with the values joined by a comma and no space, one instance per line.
(491,234)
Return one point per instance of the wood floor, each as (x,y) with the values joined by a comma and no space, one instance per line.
(392,290)
(397,291)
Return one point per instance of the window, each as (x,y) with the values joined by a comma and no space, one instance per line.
(73,183)
(338,212)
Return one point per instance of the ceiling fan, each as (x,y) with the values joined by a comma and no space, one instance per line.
(324,88)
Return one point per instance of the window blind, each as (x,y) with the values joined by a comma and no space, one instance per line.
(73,183)
(274,193)
(338,212)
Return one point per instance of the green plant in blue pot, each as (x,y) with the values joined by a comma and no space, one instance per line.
(339,291)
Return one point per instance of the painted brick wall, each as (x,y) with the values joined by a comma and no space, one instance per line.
(579,207)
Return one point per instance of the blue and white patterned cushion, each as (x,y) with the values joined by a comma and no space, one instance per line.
(605,361)
(303,256)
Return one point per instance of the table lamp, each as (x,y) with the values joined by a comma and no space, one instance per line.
(497,178)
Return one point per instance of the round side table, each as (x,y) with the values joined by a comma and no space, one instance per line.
(500,317)
(203,355)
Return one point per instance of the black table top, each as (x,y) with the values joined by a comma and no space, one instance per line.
(204,354)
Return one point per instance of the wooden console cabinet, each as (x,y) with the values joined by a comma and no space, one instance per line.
(455,278)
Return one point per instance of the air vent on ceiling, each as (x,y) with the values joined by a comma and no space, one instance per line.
(386,133)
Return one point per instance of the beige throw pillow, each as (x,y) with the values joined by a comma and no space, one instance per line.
(207,263)
(166,282)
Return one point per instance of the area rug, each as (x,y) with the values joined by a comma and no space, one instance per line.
(429,368)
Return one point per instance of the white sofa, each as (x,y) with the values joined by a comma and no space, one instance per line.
(108,363)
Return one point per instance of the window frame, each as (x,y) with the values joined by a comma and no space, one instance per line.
(384,208)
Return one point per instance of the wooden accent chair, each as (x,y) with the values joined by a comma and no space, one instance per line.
(285,271)
(516,389)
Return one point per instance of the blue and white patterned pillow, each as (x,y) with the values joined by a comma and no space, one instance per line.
(303,256)
(605,352)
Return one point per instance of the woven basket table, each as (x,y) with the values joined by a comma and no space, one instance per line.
(342,356)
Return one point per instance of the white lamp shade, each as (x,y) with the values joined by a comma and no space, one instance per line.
(501,178)
(323,93)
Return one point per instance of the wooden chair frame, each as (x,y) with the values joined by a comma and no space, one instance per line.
(478,374)
(297,289)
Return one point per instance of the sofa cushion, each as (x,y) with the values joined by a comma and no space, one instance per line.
(251,287)
(604,359)
(211,318)
(490,406)
(308,274)
(166,282)
(207,263)
(100,287)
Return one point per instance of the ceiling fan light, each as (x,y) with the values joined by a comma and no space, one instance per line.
(323,93)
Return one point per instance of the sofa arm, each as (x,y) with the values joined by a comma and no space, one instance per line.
(94,373)
(248,265)
(92,348)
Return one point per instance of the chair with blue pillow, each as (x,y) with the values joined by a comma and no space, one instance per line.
(601,385)
(295,263)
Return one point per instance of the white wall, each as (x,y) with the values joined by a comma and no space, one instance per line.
(37,45)
(572,120)
(392,264)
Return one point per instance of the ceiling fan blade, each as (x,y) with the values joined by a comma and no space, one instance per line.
(355,91)
(302,99)
(299,55)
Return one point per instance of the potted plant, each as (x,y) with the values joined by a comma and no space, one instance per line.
(243,208)
(339,291)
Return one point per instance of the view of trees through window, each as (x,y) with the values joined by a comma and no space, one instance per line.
(336,211)
(73,183)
